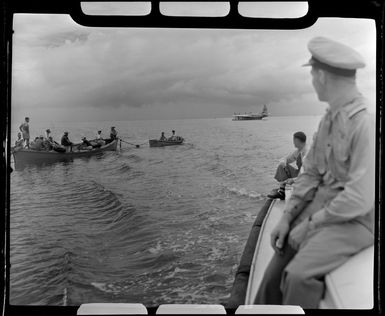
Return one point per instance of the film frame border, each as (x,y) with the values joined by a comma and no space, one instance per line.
(372,9)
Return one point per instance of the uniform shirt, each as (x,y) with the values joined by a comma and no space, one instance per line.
(339,166)
(296,156)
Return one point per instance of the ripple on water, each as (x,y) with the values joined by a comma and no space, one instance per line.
(144,225)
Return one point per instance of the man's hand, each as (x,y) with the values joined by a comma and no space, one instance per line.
(290,181)
(279,234)
(298,234)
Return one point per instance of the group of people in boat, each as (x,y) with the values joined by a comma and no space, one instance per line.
(172,138)
(46,143)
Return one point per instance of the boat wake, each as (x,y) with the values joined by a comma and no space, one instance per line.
(245,193)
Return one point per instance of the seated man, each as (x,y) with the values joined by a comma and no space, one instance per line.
(66,142)
(99,139)
(330,214)
(113,133)
(19,143)
(85,144)
(286,173)
(37,144)
(48,143)
(172,137)
(162,137)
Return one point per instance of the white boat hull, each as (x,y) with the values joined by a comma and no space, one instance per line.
(350,286)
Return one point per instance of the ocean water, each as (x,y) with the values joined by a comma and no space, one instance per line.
(148,225)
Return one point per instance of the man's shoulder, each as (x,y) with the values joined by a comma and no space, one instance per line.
(357,108)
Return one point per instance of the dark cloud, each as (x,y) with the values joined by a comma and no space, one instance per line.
(60,65)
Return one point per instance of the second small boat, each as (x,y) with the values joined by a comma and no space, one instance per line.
(163,143)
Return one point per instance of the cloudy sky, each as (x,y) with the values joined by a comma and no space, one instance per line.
(66,72)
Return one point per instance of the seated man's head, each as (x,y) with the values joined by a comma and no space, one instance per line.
(299,140)
(19,135)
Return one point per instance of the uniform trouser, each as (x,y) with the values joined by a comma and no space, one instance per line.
(297,277)
(285,172)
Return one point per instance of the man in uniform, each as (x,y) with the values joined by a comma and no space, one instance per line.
(330,214)
(286,173)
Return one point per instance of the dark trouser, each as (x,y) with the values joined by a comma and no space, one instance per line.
(285,172)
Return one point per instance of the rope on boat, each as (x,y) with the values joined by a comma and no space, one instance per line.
(136,145)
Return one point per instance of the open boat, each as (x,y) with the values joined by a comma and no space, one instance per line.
(28,156)
(350,286)
(162,143)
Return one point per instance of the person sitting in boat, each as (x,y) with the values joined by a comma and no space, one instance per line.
(99,135)
(99,139)
(37,144)
(85,144)
(48,143)
(56,146)
(173,137)
(66,142)
(162,137)
(330,215)
(47,133)
(285,172)
(19,142)
(113,133)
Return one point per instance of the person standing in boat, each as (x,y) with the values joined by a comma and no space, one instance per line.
(24,129)
(65,141)
(286,173)
(330,214)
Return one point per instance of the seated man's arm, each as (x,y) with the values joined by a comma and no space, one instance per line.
(290,158)
(304,186)
(357,198)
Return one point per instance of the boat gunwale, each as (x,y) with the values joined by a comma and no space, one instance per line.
(248,297)
(27,157)
(52,152)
